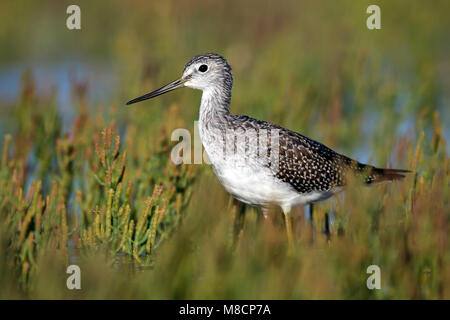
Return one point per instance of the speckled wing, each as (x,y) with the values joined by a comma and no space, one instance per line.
(310,166)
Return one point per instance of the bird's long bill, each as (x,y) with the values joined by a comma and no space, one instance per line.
(168,87)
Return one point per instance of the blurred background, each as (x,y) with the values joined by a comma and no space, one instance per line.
(71,192)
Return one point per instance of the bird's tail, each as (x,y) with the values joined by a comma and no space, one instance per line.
(383,174)
(374,175)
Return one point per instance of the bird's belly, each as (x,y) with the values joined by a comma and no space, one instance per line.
(259,187)
(251,186)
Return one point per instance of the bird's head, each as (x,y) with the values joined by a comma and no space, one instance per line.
(203,72)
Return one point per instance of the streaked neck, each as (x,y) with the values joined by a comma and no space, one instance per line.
(215,104)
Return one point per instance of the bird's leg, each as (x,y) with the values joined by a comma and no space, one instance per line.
(265,212)
(268,210)
(311,219)
(288,224)
(326,227)
(239,220)
(329,216)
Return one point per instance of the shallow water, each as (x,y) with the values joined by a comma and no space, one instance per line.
(101,82)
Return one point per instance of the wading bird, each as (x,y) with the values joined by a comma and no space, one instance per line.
(260,163)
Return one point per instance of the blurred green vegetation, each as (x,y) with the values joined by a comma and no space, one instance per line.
(104,195)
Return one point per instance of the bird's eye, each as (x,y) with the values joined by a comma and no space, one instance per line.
(203,68)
